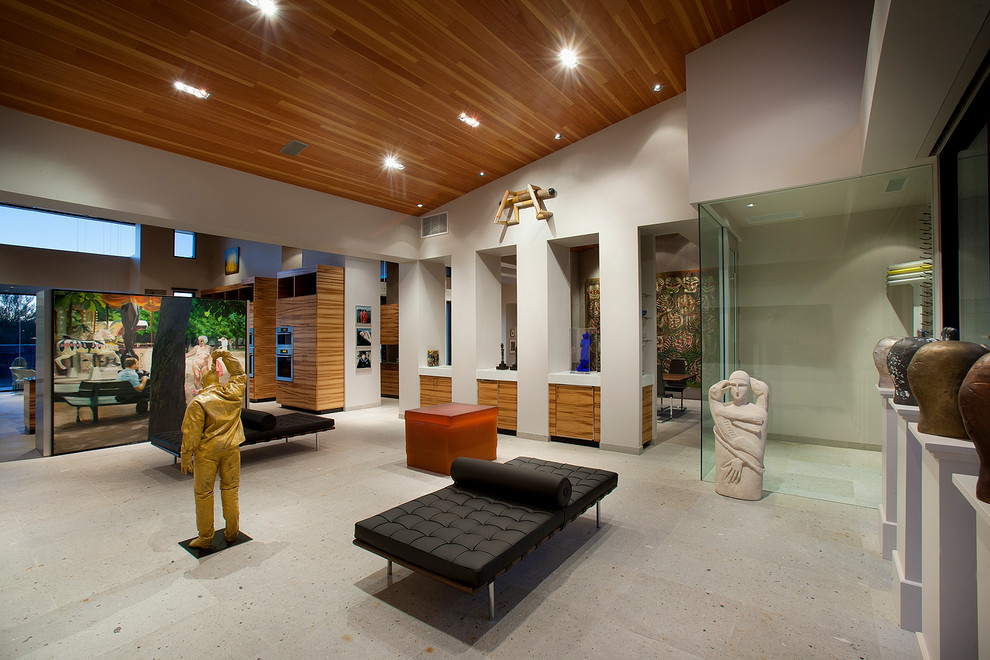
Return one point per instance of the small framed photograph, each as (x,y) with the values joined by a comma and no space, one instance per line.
(512,346)
(363,337)
(362,315)
(512,332)
(363,360)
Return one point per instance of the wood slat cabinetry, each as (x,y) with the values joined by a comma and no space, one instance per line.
(389,315)
(501,393)
(648,423)
(311,302)
(390,380)
(434,390)
(575,412)
(259,292)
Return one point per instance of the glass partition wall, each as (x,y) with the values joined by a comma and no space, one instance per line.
(795,291)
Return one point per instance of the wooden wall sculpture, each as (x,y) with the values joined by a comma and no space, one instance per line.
(523,199)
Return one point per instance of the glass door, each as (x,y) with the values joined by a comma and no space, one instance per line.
(718,262)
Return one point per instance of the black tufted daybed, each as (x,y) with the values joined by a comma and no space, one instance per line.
(469,533)
(259,426)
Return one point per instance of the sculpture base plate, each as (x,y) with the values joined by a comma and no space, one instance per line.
(219,543)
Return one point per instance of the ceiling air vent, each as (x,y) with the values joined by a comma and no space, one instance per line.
(293,148)
(896,185)
(434,225)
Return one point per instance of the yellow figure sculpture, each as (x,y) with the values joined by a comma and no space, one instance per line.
(211,437)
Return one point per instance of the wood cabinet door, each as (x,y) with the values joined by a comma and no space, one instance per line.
(576,412)
(487,393)
(507,405)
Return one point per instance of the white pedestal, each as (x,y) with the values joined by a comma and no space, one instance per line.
(948,594)
(888,444)
(907,555)
(966,485)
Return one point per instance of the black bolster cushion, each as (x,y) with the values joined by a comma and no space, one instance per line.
(524,485)
(257,419)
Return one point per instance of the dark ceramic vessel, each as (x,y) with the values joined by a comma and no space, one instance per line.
(898,359)
(974,404)
(935,374)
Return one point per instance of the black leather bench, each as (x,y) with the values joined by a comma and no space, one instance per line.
(95,393)
(494,514)
(258,427)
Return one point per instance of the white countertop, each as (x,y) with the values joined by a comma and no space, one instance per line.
(587,379)
(435,371)
(646,379)
(496,374)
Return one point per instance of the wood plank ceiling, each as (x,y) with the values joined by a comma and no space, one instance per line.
(355,80)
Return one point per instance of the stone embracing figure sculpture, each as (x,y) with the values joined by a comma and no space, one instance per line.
(740,435)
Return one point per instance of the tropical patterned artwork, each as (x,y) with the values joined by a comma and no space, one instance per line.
(679,321)
(593,320)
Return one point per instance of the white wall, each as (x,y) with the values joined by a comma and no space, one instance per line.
(777,103)
(362,388)
(50,165)
(813,302)
(256,260)
(631,174)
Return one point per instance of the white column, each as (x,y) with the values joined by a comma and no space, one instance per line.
(907,555)
(966,485)
(888,444)
(948,594)
(421,324)
(534,278)
(622,394)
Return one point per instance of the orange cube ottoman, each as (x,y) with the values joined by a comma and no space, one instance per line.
(436,435)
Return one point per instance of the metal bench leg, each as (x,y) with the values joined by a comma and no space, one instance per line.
(598,514)
(491,600)
(388,569)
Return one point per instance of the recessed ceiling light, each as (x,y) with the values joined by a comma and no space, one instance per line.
(267,7)
(481,174)
(658,87)
(189,89)
(419,206)
(392,163)
(569,58)
(470,121)
(557,136)
(751,205)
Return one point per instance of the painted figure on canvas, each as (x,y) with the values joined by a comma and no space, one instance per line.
(740,435)
(199,359)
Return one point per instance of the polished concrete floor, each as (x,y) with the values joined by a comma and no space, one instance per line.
(90,563)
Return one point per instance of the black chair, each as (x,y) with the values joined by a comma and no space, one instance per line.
(661,393)
(677,366)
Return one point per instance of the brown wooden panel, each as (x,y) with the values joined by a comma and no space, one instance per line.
(353,79)
(507,405)
(428,391)
(576,412)
(390,379)
(30,397)
(552,403)
(330,336)
(443,387)
(487,392)
(598,414)
(301,391)
(261,316)
(648,422)
(389,315)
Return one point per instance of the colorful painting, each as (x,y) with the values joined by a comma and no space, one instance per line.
(126,365)
(362,315)
(679,321)
(232,261)
(363,337)
(593,321)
